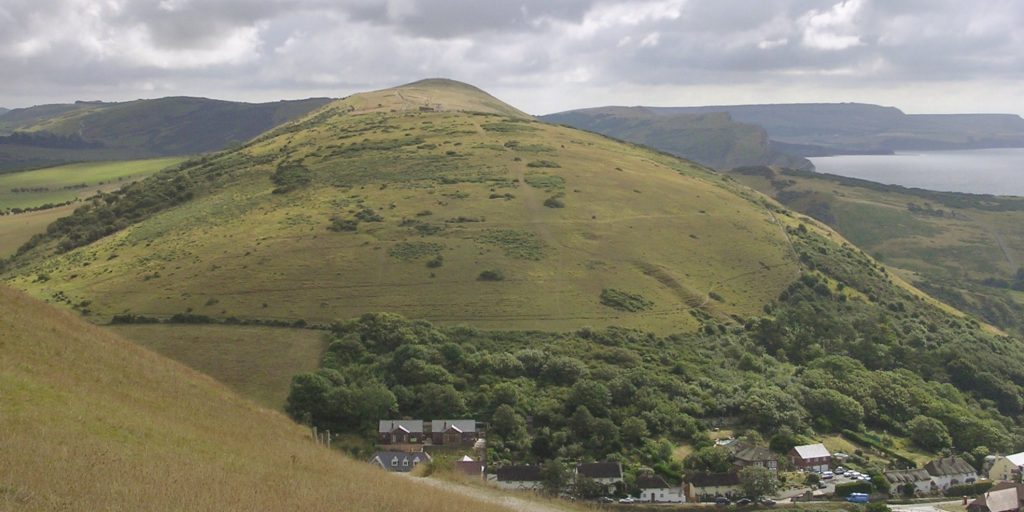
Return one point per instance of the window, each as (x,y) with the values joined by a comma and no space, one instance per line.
(405,463)
(394,461)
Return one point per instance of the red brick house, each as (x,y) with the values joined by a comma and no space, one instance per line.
(400,432)
(811,457)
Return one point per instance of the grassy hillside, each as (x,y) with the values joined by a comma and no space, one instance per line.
(403,200)
(256,362)
(92,422)
(712,139)
(90,131)
(966,249)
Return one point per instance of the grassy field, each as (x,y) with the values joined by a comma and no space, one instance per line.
(93,422)
(427,181)
(256,362)
(15,230)
(948,244)
(73,181)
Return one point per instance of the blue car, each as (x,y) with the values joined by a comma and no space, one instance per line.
(857,497)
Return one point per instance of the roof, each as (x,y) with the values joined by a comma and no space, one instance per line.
(1016,459)
(1002,500)
(812,451)
(713,479)
(518,474)
(460,425)
(651,482)
(949,466)
(754,454)
(600,470)
(405,460)
(907,476)
(411,426)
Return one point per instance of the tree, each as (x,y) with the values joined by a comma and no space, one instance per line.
(834,409)
(554,477)
(634,430)
(714,459)
(758,481)
(929,433)
(509,426)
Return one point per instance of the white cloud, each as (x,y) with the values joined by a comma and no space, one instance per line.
(834,29)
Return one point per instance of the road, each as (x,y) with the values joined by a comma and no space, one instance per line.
(924,507)
(505,499)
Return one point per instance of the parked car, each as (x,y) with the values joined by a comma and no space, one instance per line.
(605,499)
(627,500)
(857,497)
(722,500)
(768,503)
(744,502)
(840,470)
(827,474)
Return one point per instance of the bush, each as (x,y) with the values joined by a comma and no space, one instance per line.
(844,490)
(968,489)
(340,225)
(554,202)
(491,275)
(543,163)
(624,301)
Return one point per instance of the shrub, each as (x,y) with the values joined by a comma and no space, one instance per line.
(847,489)
(491,275)
(968,489)
(290,176)
(543,164)
(554,202)
(624,301)
(339,224)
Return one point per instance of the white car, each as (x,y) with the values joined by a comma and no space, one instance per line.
(627,500)
(827,475)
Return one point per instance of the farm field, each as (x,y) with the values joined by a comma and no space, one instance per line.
(15,230)
(68,182)
(256,362)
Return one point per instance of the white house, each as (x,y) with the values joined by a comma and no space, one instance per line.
(604,473)
(949,471)
(918,481)
(1006,469)
(399,462)
(654,489)
(524,478)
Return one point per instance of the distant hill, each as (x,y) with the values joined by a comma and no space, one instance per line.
(85,131)
(3,111)
(817,129)
(711,138)
(93,422)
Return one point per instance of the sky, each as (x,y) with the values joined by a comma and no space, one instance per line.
(543,56)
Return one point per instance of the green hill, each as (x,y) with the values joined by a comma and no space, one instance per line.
(621,297)
(92,422)
(432,200)
(966,249)
(87,131)
(712,139)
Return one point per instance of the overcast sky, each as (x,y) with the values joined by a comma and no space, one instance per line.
(540,55)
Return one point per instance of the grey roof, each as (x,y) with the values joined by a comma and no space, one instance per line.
(600,470)
(399,461)
(949,466)
(1004,499)
(461,425)
(518,474)
(651,482)
(413,426)
(812,451)
(754,454)
(907,476)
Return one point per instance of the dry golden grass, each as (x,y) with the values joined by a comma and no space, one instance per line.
(90,421)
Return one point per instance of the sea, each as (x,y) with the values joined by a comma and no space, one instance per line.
(976,171)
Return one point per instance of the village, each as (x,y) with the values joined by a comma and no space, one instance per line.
(403,445)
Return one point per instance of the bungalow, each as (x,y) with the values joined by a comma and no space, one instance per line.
(1004,497)
(908,482)
(517,478)
(654,489)
(949,471)
(1006,469)
(604,473)
(708,486)
(400,432)
(810,457)
(453,432)
(756,456)
(399,462)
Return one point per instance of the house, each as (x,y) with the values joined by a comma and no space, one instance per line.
(604,473)
(654,489)
(949,471)
(517,478)
(400,432)
(399,462)
(756,456)
(469,467)
(453,432)
(909,481)
(708,486)
(1006,469)
(1003,497)
(810,457)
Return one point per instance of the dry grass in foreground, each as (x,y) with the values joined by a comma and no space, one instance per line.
(90,421)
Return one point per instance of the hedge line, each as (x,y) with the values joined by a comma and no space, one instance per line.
(899,461)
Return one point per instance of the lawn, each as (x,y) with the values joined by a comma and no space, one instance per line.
(257,362)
